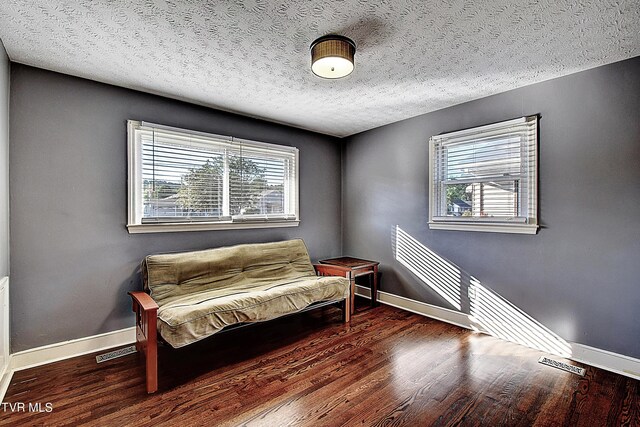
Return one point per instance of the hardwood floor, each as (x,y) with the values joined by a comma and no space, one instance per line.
(389,367)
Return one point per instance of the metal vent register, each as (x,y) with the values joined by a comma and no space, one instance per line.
(564,366)
(116,353)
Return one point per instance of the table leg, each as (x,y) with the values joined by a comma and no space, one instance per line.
(352,284)
(374,288)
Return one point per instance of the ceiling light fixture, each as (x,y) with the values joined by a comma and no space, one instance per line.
(332,56)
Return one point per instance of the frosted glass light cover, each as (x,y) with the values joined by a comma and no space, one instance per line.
(332,67)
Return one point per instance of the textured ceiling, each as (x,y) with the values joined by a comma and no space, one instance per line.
(252,57)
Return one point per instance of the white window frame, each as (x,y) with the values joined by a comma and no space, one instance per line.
(135,222)
(520,224)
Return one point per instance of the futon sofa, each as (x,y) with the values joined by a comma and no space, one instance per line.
(190,296)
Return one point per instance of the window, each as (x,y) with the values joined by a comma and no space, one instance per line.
(185,180)
(485,178)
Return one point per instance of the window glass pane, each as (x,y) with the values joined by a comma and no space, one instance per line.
(458,200)
(181,181)
(483,199)
(256,185)
(494,199)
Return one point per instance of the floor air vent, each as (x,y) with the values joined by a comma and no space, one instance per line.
(116,353)
(564,366)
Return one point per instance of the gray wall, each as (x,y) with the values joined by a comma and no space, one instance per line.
(72,258)
(4,162)
(580,275)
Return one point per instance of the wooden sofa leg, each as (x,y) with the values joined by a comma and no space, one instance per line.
(147,335)
(151,357)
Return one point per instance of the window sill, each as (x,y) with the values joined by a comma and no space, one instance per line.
(485,227)
(206,226)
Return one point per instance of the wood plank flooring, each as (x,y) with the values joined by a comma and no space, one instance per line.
(387,368)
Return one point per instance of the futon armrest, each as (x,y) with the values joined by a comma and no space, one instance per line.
(146,311)
(143,300)
(332,270)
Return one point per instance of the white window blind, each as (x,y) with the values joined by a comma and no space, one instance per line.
(485,178)
(179,178)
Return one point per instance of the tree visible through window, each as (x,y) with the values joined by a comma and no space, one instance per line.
(200,190)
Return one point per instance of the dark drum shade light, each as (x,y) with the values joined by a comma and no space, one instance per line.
(332,56)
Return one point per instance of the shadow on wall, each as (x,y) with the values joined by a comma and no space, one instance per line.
(488,312)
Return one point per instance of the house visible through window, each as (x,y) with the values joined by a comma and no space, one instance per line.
(485,178)
(185,180)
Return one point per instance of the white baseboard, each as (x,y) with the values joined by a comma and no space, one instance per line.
(72,348)
(603,359)
(5,380)
(614,362)
(64,350)
(432,311)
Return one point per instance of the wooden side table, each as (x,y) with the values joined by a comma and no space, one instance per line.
(359,267)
